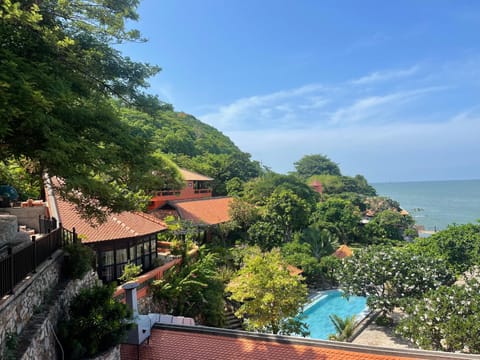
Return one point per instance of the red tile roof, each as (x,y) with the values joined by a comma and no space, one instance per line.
(293,270)
(190,175)
(342,252)
(169,344)
(209,211)
(117,226)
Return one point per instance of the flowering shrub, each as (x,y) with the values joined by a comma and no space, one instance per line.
(387,275)
(447,319)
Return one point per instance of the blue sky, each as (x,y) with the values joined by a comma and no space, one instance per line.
(386,89)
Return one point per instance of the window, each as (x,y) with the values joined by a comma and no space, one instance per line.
(133,253)
(121,256)
(107,257)
(106,273)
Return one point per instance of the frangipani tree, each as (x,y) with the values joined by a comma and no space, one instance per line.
(386,275)
(446,319)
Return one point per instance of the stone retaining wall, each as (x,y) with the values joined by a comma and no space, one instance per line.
(16,310)
(34,308)
(42,342)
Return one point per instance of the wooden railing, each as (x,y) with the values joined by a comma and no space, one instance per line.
(167,193)
(202,191)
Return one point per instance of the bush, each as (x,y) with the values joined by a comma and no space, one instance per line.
(384,320)
(11,345)
(130,272)
(96,323)
(79,259)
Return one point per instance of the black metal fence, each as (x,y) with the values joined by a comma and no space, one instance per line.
(46,224)
(17,265)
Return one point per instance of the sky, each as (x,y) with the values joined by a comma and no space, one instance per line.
(389,90)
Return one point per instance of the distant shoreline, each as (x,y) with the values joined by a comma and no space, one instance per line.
(429,232)
(435,205)
(418,181)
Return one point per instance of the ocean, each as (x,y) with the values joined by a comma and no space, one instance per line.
(436,204)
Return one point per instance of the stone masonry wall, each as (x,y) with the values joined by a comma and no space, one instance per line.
(16,310)
(42,342)
(33,310)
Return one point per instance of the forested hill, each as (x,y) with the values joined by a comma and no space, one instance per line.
(194,145)
(181,133)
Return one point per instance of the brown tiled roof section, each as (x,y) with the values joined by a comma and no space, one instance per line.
(342,252)
(117,226)
(209,211)
(190,175)
(293,270)
(184,345)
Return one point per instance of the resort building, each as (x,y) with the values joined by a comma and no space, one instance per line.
(194,204)
(196,187)
(122,238)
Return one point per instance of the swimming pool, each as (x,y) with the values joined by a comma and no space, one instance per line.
(331,302)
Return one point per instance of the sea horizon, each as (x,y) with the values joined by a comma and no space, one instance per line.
(438,203)
(418,181)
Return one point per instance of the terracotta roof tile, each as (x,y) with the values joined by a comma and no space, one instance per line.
(188,345)
(342,252)
(190,175)
(293,270)
(209,211)
(117,226)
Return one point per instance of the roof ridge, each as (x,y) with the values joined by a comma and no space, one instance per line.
(199,199)
(150,218)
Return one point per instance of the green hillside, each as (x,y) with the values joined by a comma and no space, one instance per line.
(194,145)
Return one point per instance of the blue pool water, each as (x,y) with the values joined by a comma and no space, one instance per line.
(327,303)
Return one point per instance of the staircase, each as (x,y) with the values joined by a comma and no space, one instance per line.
(231,321)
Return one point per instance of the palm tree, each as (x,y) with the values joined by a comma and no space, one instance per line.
(344,327)
(321,240)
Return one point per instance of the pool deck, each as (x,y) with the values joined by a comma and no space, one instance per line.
(375,335)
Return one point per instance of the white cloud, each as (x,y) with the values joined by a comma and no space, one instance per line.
(379,76)
(277,104)
(376,108)
(387,152)
(412,130)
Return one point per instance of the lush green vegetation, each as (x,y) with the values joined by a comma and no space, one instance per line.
(344,327)
(387,275)
(270,297)
(61,84)
(447,318)
(73,105)
(418,278)
(194,289)
(459,245)
(78,260)
(96,322)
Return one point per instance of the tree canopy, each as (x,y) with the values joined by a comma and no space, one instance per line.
(316,164)
(459,245)
(257,190)
(340,217)
(386,275)
(61,84)
(446,319)
(270,297)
